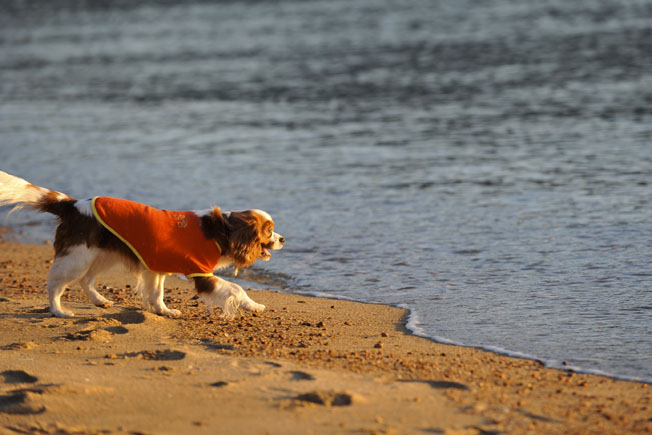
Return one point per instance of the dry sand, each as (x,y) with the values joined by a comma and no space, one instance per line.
(306,365)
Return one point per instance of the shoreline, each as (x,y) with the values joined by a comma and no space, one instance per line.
(413,330)
(319,341)
(514,354)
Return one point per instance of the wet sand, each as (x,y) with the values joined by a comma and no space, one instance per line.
(306,365)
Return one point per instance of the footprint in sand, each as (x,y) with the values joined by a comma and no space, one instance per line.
(218,346)
(103,326)
(212,345)
(18,402)
(24,345)
(99,321)
(89,335)
(301,376)
(117,330)
(18,377)
(135,317)
(44,310)
(439,385)
(326,398)
(156,355)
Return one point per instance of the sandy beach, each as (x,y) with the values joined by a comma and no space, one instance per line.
(305,365)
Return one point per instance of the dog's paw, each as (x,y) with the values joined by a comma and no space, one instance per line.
(104,304)
(62,313)
(170,313)
(255,307)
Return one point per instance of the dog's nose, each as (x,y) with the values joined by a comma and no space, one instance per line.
(282,240)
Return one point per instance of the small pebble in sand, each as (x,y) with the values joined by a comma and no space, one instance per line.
(378,345)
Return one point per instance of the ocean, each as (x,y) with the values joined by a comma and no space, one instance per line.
(485,164)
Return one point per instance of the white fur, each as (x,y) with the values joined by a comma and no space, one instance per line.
(14,190)
(202,213)
(223,262)
(263,214)
(82,265)
(84,207)
(277,241)
(230,296)
(151,288)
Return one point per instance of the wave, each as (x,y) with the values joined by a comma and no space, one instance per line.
(413,325)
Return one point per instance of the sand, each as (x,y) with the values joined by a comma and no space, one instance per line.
(306,365)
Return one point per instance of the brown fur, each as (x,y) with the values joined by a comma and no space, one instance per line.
(215,226)
(76,229)
(245,242)
(242,235)
(204,284)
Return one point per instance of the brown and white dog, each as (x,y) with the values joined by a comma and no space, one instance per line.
(85,246)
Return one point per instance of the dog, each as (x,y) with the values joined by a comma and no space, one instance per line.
(96,234)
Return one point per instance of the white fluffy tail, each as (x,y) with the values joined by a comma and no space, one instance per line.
(22,193)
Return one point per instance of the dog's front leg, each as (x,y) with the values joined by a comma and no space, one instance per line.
(152,291)
(229,296)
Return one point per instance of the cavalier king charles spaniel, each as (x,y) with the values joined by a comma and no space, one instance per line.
(94,235)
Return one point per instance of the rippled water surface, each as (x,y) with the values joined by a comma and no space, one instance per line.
(486,164)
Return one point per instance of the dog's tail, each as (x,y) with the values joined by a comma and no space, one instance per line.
(21,193)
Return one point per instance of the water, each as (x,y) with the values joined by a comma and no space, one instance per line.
(486,165)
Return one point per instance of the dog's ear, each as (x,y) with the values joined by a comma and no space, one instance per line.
(215,226)
(244,240)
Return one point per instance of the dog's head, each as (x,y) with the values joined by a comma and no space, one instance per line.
(252,237)
(246,236)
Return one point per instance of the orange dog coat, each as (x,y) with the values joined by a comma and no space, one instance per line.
(164,241)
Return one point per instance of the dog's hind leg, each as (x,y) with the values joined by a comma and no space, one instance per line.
(67,269)
(152,291)
(225,294)
(87,282)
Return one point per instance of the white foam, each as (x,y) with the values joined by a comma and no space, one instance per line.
(413,325)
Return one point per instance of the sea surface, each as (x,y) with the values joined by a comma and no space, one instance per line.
(485,164)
